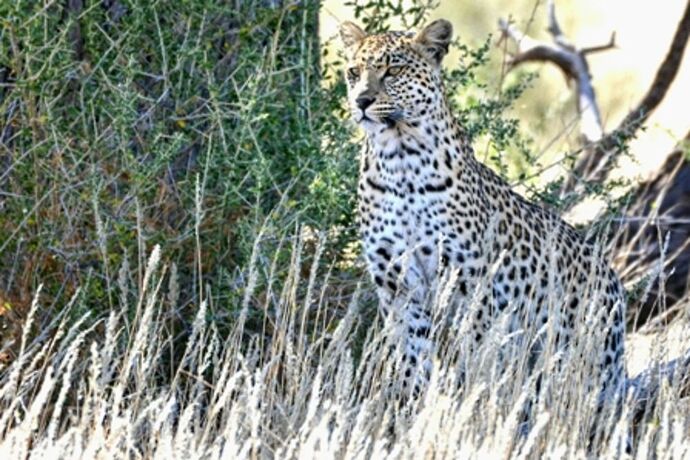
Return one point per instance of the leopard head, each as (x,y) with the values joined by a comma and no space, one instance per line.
(394,77)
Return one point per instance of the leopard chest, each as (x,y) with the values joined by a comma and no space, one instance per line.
(409,224)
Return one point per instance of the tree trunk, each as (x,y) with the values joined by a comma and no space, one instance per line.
(653,247)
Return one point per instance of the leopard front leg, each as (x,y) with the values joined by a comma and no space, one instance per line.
(418,346)
(407,307)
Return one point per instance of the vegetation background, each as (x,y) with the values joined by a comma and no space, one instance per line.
(218,132)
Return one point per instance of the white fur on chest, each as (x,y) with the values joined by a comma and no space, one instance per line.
(404,217)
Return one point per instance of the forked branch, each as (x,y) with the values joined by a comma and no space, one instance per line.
(572,62)
(599,148)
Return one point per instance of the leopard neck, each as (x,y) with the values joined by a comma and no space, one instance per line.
(433,146)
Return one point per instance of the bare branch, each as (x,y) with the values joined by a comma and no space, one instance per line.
(571,62)
(596,163)
(595,49)
(523,42)
(664,76)
(652,247)
(531,50)
(555,29)
(599,149)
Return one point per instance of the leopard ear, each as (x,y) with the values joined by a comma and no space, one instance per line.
(434,40)
(351,34)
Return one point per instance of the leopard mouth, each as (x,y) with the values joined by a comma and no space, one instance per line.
(388,117)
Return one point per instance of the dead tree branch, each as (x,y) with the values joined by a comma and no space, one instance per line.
(652,250)
(664,76)
(599,148)
(606,47)
(572,62)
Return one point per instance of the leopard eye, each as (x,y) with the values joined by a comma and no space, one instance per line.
(353,73)
(393,71)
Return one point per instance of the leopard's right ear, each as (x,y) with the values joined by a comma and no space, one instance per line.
(352,35)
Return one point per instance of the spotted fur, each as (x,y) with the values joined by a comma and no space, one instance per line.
(427,206)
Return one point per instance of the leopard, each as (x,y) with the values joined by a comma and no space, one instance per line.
(427,206)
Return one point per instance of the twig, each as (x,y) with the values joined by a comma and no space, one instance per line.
(595,49)
(555,29)
(654,220)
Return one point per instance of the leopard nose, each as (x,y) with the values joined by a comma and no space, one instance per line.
(364,101)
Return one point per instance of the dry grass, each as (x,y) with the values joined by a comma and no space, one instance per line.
(100,389)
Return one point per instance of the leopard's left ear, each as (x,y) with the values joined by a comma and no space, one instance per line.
(434,39)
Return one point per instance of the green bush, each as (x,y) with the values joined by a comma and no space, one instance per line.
(188,124)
